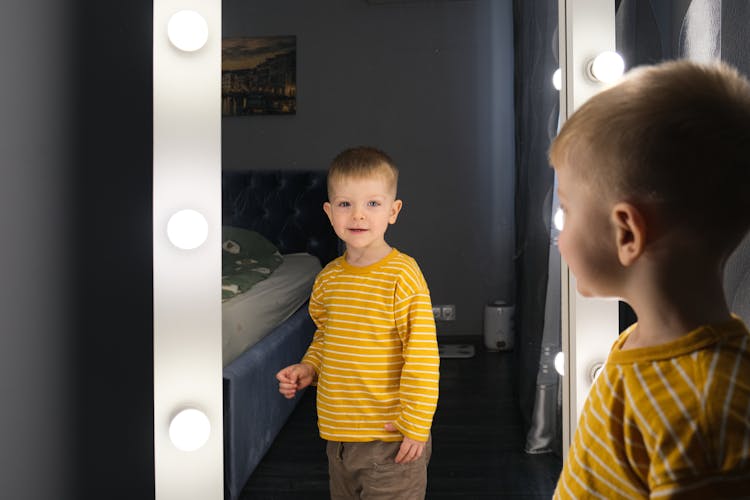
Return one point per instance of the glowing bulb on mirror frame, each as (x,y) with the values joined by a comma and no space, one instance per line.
(189,430)
(557,79)
(187,30)
(607,67)
(560,363)
(187,229)
(558,219)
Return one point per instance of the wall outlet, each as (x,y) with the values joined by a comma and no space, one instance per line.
(448,312)
(444,312)
(437,312)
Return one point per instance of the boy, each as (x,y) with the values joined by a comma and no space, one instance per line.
(374,354)
(653,175)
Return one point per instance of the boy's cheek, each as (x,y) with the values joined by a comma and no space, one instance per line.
(562,245)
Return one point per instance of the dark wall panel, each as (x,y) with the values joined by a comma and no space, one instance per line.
(75,212)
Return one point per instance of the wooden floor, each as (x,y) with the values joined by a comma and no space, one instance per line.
(478,442)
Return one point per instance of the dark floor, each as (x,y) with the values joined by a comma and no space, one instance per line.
(478,441)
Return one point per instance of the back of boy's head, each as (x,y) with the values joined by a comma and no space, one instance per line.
(675,136)
(363,162)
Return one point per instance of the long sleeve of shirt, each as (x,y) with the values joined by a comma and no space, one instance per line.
(374,350)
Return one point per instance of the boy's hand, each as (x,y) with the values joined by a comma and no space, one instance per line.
(294,378)
(410,449)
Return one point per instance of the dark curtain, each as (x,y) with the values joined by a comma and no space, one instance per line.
(536,110)
(649,31)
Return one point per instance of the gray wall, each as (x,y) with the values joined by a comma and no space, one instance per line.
(76,355)
(431,83)
(34,379)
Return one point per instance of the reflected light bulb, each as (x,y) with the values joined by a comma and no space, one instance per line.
(557,79)
(560,363)
(607,67)
(558,219)
(187,30)
(187,229)
(189,429)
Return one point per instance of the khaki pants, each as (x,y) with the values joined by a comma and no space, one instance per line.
(367,471)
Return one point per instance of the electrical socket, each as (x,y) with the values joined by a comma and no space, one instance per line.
(448,312)
(437,312)
(444,312)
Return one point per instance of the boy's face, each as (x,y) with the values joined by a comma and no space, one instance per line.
(360,210)
(587,239)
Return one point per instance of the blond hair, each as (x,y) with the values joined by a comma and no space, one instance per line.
(676,134)
(363,162)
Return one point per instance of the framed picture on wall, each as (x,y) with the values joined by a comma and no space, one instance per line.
(259,76)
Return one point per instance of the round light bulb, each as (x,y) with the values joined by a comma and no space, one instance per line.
(189,429)
(187,30)
(187,229)
(558,219)
(560,363)
(557,79)
(607,67)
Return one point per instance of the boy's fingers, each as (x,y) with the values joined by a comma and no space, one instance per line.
(287,391)
(405,454)
(284,375)
(390,427)
(409,451)
(289,375)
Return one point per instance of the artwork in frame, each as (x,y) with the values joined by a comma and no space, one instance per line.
(259,76)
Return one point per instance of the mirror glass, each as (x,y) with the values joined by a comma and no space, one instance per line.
(466,108)
(649,32)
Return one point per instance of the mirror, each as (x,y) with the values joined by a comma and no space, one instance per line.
(431,83)
(444,69)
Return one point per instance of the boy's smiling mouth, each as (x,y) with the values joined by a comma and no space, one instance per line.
(357,229)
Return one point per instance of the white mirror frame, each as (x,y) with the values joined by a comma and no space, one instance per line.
(187,285)
(589,326)
(187,304)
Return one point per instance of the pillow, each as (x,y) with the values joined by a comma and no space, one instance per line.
(247,258)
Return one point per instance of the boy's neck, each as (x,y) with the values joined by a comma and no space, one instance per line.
(363,257)
(670,306)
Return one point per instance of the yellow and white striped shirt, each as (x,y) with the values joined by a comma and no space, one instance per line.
(670,421)
(375,350)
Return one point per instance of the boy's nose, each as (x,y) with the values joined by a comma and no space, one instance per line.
(358,214)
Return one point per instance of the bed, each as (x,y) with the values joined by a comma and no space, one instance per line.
(267,327)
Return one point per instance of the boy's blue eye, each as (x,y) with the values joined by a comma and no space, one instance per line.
(343,203)
(373,204)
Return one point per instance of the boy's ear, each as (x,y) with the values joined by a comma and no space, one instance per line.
(630,232)
(395,209)
(327,210)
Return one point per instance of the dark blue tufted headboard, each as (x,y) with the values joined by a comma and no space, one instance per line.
(284,206)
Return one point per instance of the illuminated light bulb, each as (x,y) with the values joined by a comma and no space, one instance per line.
(557,79)
(558,219)
(560,363)
(189,430)
(187,229)
(607,67)
(187,30)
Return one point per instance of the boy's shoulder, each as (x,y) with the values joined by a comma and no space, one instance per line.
(332,268)
(697,346)
(405,258)
(405,263)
